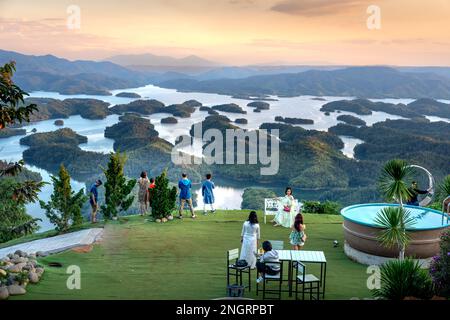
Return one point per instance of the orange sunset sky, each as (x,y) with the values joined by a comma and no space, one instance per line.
(234,32)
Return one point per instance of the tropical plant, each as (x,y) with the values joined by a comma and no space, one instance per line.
(11,96)
(404,278)
(440,267)
(117,188)
(326,207)
(163,197)
(64,208)
(394,221)
(393,186)
(444,188)
(392,181)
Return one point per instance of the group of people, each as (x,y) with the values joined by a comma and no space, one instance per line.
(185,186)
(251,235)
(145,188)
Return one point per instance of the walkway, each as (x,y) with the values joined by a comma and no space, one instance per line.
(57,243)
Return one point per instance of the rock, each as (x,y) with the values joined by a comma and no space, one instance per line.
(20,253)
(32,256)
(40,271)
(15,256)
(170,218)
(16,290)
(164,219)
(158,220)
(17,267)
(33,277)
(2,272)
(4,293)
(20,260)
(41,254)
(10,256)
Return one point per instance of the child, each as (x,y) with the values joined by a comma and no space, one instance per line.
(268,256)
(185,195)
(208,194)
(298,236)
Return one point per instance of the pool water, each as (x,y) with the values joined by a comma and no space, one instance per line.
(425,218)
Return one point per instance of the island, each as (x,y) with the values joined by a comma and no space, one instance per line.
(128,95)
(349,119)
(10,132)
(169,120)
(241,121)
(229,107)
(259,105)
(294,120)
(59,123)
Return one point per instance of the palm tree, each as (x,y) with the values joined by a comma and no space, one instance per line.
(395,221)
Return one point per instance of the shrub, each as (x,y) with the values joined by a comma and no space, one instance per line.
(163,198)
(440,267)
(404,278)
(327,207)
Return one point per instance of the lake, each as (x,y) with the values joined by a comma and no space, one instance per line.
(227,197)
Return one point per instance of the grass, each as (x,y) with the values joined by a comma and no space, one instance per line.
(186,259)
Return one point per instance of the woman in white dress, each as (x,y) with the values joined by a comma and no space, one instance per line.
(250,236)
(286,210)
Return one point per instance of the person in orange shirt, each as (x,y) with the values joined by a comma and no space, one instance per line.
(151,188)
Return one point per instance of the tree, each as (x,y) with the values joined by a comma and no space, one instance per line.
(14,195)
(393,186)
(395,221)
(64,208)
(163,197)
(11,97)
(117,188)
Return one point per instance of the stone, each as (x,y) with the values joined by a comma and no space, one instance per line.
(20,260)
(16,290)
(17,267)
(2,273)
(33,277)
(4,293)
(164,219)
(40,271)
(41,254)
(10,256)
(158,220)
(32,256)
(170,218)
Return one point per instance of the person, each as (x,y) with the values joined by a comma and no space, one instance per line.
(151,189)
(250,236)
(185,186)
(208,193)
(298,236)
(415,191)
(143,184)
(93,200)
(263,265)
(286,210)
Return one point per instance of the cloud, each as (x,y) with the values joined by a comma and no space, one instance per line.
(311,8)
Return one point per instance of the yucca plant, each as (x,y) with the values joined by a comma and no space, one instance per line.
(395,221)
(392,181)
(404,278)
(444,188)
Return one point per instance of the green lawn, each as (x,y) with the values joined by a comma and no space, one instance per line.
(185,259)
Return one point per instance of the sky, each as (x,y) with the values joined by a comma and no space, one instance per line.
(234,32)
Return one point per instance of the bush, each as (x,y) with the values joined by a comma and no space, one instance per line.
(440,267)
(327,207)
(253,198)
(163,198)
(404,278)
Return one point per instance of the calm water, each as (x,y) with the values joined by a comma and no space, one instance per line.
(226,197)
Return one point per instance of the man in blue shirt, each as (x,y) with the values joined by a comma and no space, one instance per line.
(185,195)
(93,199)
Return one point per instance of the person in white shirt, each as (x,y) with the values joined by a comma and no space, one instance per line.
(250,236)
(264,266)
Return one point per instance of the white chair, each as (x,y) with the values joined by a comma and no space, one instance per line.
(271,206)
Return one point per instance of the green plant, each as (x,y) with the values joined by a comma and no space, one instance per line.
(404,278)
(64,208)
(117,188)
(327,207)
(253,198)
(440,267)
(394,221)
(163,197)
(11,96)
(393,186)
(21,277)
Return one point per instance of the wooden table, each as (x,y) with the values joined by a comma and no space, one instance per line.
(306,257)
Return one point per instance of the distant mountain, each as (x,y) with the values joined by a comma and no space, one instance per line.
(149,59)
(364,82)
(71,77)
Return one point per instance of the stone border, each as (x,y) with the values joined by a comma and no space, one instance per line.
(370,259)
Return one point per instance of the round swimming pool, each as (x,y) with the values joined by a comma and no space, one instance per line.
(361,232)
